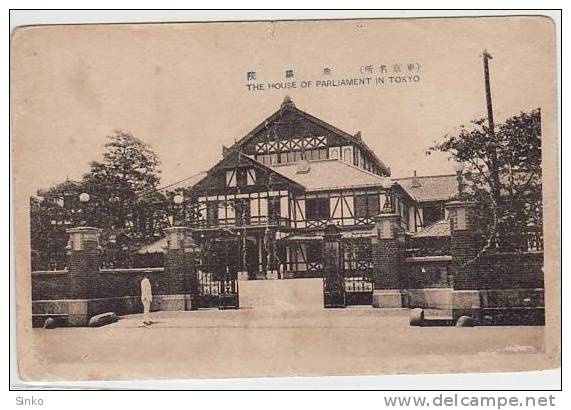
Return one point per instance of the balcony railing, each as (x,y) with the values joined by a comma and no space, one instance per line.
(241,222)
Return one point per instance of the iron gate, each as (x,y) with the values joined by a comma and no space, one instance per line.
(217,280)
(348,270)
(358,271)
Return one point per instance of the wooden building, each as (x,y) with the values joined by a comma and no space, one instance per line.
(277,188)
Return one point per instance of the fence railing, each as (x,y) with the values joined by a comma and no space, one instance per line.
(133,270)
(534,239)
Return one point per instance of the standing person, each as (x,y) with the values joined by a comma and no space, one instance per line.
(146,299)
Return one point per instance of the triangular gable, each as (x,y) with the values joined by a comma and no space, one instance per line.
(236,159)
(306,123)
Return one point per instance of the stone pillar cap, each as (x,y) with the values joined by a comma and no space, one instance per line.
(83,229)
(458,204)
(178,228)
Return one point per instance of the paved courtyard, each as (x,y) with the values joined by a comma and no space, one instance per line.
(280,330)
(244,343)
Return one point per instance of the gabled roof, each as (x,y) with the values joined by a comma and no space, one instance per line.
(159,246)
(430,188)
(186,183)
(237,155)
(288,105)
(436,230)
(328,174)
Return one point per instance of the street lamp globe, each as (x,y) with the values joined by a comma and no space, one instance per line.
(178,199)
(84,197)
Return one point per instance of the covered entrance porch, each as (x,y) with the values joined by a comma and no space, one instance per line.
(258,256)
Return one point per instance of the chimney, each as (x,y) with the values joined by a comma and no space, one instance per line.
(358,136)
(225,150)
(303,166)
(415,181)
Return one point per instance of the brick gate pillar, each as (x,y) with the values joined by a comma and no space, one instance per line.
(386,249)
(84,259)
(180,270)
(464,249)
(334,286)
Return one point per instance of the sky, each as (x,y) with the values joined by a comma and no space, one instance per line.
(182,87)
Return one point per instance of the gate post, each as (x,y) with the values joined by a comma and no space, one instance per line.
(180,270)
(84,259)
(333,280)
(386,245)
(464,249)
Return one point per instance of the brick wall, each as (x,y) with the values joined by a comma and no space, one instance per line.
(109,283)
(386,263)
(178,266)
(427,273)
(127,282)
(50,285)
(83,266)
(511,270)
(105,284)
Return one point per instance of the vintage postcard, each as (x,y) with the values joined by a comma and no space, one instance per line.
(286,198)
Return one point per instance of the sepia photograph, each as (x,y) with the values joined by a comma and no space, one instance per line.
(286,198)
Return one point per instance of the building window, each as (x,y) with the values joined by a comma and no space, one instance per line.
(334,153)
(230,178)
(297,156)
(432,214)
(241,177)
(267,159)
(242,212)
(245,176)
(367,205)
(315,154)
(317,208)
(251,176)
(212,213)
(347,155)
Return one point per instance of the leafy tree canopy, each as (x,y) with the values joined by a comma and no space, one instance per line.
(507,218)
(123,200)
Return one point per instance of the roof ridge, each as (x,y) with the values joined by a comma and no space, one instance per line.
(425,176)
(425,229)
(270,167)
(363,170)
(334,160)
(310,160)
(182,180)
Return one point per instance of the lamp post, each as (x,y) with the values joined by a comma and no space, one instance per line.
(178,203)
(84,199)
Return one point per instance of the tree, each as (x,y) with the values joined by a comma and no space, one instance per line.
(506,221)
(123,201)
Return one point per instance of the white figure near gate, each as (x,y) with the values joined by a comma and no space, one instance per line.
(146,299)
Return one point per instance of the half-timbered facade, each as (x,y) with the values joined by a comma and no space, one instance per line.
(278,187)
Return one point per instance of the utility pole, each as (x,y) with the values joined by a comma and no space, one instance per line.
(492,153)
